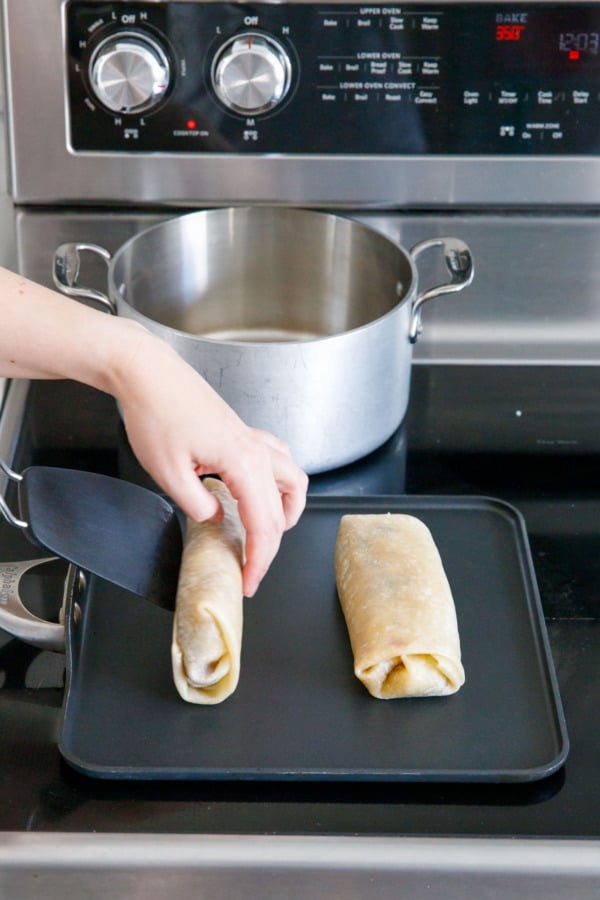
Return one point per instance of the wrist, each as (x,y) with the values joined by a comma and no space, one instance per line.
(125,358)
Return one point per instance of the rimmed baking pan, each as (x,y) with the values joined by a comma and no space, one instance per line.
(299,712)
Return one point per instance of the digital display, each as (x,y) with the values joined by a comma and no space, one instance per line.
(546,43)
(509,32)
(574,43)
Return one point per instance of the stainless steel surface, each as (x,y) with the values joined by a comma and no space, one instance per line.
(7,228)
(61,866)
(251,73)
(332,397)
(129,74)
(19,621)
(11,418)
(459,264)
(36,115)
(516,310)
(5,510)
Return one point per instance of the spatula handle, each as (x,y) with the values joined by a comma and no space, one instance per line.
(4,507)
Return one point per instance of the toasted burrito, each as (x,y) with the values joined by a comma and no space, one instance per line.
(398,607)
(207,628)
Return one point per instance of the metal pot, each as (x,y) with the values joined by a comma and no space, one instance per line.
(302,321)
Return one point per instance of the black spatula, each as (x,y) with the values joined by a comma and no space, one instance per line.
(120,531)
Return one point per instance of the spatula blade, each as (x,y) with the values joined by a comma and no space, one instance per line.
(117,530)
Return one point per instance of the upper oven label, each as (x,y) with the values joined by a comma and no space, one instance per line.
(465,78)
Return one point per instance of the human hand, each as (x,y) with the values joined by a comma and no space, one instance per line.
(179,428)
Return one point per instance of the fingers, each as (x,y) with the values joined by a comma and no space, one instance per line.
(291,481)
(294,502)
(258,561)
(271,494)
(261,512)
(180,428)
(188,492)
(256,467)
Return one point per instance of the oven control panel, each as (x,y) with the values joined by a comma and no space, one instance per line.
(283,78)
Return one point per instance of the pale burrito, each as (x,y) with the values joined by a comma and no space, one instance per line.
(207,628)
(398,607)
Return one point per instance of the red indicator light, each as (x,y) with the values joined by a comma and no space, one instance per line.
(191,124)
(573,54)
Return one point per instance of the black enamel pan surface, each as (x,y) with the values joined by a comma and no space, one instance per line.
(299,713)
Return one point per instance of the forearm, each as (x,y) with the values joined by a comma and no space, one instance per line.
(46,335)
(177,425)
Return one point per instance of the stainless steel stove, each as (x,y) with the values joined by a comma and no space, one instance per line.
(477,119)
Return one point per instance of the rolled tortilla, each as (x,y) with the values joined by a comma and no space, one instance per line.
(207,627)
(398,607)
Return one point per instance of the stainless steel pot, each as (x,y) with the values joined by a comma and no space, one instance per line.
(302,321)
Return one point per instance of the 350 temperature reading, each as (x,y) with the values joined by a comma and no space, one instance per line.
(509,32)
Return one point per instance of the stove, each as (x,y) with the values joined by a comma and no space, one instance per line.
(472,119)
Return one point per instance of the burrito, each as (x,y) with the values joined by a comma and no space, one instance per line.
(398,607)
(207,628)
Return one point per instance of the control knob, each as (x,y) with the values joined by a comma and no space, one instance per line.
(251,73)
(129,73)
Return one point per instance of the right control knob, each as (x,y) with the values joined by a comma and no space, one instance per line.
(251,73)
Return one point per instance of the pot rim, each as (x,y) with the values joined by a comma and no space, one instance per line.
(115,292)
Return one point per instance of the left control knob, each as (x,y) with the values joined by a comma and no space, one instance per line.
(129,73)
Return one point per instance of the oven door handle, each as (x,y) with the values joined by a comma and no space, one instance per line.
(459,263)
(65,271)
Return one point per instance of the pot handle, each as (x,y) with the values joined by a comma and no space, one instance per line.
(65,272)
(460,265)
(17,620)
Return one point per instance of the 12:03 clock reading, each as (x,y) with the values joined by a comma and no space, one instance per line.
(577,42)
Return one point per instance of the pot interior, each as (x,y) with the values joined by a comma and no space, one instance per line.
(262,274)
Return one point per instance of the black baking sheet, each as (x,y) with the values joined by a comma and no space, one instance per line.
(299,712)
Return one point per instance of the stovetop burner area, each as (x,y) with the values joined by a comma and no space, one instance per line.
(442,448)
